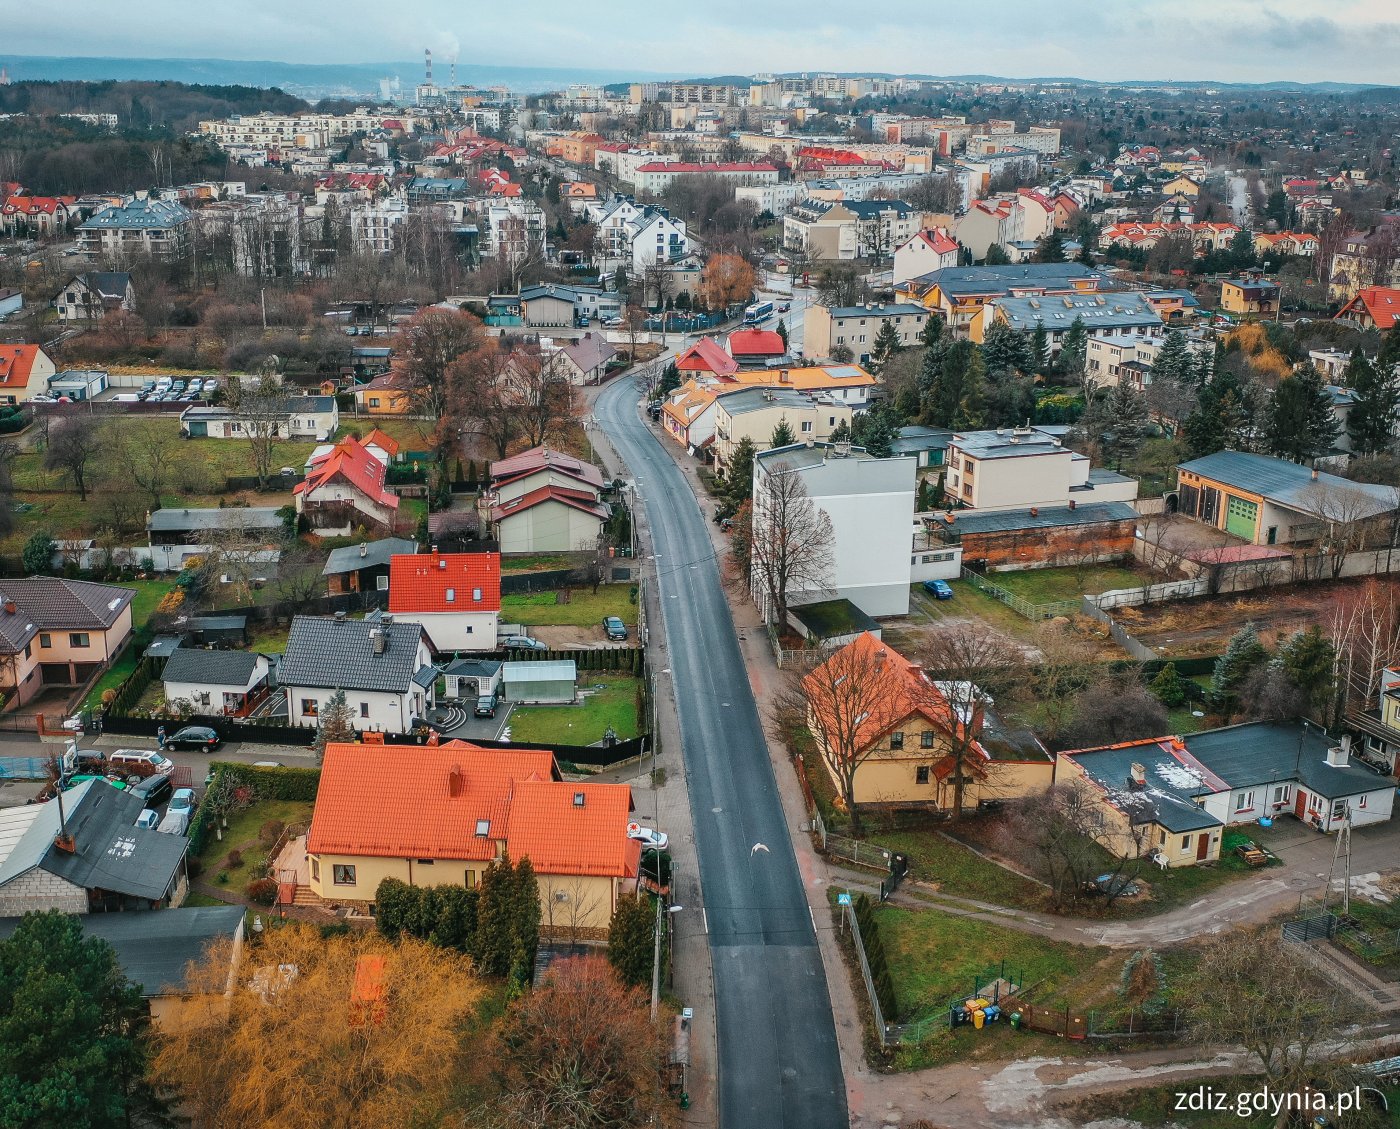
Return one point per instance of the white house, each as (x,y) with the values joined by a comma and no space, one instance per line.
(929,250)
(216,682)
(91,296)
(456,597)
(384,667)
(1023,467)
(307,417)
(870,503)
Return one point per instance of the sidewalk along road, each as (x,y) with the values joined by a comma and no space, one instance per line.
(778,1060)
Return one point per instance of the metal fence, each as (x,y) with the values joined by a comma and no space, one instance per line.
(24,768)
(1304,930)
(857,851)
(881,1031)
(1018,604)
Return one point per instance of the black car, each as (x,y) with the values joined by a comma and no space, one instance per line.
(194,737)
(152,790)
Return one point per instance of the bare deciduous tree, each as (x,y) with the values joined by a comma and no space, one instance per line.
(74,447)
(792,541)
(263,411)
(146,455)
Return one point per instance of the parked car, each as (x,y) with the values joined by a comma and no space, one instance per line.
(612,323)
(139,762)
(182,801)
(938,589)
(84,760)
(174,823)
(655,840)
(614,628)
(195,385)
(211,386)
(194,737)
(148,820)
(523,643)
(154,789)
(485,706)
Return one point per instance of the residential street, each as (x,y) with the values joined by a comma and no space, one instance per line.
(778,1062)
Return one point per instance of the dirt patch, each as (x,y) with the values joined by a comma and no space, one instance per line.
(564,637)
(1202,627)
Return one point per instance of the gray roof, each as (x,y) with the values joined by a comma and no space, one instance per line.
(756,399)
(26,831)
(1009,443)
(51,603)
(162,646)
(218,517)
(915,437)
(1004,279)
(1045,517)
(139,215)
(1168,799)
(155,947)
(1264,751)
(107,284)
(211,668)
(590,351)
(292,405)
(544,670)
(869,209)
(328,653)
(111,852)
(890,309)
(1124,309)
(1292,485)
(218,623)
(800,456)
(369,554)
(473,668)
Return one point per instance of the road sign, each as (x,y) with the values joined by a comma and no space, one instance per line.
(843,899)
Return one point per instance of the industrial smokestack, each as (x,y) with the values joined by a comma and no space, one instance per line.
(428,64)
(454,71)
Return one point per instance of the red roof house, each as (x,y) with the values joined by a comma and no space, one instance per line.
(449,811)
(344,490)
(1375,306)
(755,346)
(706,357)
(24,372)
(456,597)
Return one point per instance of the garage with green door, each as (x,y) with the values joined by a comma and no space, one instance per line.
(1241,517)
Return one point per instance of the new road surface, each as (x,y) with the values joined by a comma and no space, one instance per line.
(778,1060)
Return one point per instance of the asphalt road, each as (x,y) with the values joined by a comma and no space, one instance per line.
(778,1060)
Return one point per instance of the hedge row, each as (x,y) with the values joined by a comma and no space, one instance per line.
(273,783)
(875,956)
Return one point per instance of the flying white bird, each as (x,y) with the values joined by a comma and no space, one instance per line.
(758,847)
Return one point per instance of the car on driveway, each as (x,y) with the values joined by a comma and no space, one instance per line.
(485,706)
(182,801)
(153,789)
(614,628)
(938,589)
(199,737)
(148,820)
(523,643)
(649,839)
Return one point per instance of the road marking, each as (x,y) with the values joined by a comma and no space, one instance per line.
(813,917)
(705,917)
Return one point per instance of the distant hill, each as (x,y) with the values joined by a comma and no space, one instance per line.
(301,78)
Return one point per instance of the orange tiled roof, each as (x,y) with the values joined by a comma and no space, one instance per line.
(420,582)
(393,802)
(385,442)
(707,356)
(1381,302)
(349,460)
(16,361)
(806,379)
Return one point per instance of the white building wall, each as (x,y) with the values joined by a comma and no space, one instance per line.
(456,631)
(550,527)
(370,709)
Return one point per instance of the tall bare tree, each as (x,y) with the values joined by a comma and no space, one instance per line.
(425,350)
(146,451)
(791,541)
(543,396)
(263,410)
(973,666)
(74,447)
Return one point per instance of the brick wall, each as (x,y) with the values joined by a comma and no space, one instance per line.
(38,890)
(1047,548)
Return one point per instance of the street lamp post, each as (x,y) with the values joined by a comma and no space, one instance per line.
(656,953)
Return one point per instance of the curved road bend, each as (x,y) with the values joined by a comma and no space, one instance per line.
(779,1065)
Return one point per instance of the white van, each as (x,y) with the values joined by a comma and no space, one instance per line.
(139,762)
(126,398)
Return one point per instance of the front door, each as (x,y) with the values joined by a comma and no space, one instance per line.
(1203,846)
(1300,804)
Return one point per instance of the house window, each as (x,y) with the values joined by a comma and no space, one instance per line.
(921,774)
(806,427)
(476,596)
(1244,802)
(1339,809)
(425,862)
(470,880)
(1281,794)
(364,709)
(452,595)
(897,739)
(1186,842)
(315,869)
(926,739)
(343,874)
(1361,803)
(77,638)
(309,707)
(374,401)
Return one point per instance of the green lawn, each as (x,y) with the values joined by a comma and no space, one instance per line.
(968,601)
(585,608)
(116,674)
(149,593)
(615,705)
(957,870)
(269,638)
(934,957)
(1047,585)
(242,836)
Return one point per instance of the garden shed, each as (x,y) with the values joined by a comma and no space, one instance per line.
(547,682)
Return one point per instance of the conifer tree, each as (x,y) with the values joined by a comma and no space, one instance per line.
(1300,424)
(782,435)
(1371,421)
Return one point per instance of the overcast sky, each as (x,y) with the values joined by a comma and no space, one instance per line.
(1228,40)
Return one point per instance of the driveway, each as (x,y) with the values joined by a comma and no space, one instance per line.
(778,1058)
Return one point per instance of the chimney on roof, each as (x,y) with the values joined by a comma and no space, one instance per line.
(783,377)
(1137,777)
(1338,756)
(10,608)
(379,641)
(880,659)
(340,617)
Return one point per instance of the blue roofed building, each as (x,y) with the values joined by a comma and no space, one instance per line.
(138,229)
